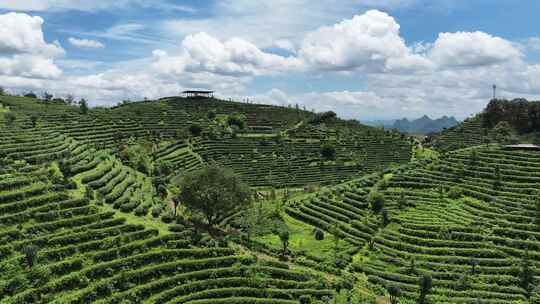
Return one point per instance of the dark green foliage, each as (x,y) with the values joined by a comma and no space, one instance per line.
(237,120)
(89,193)
(214,192)
(156,211)
(474,265)
(426,283)
(195,130)
(395,293)
(33,120)
(376,201)
(464,282)
(211,115)
(162,191)
(371,244)
(537,207)
(412,266)
(526,273)
(504,133)
(175,204)
(163,168)
(497,184)
(323,117)
(328,152)
(138,157)
(520,114)
(455,192)
(168,218)
(319,234)
(402,200)
(473,158)
(304,299)
(385,217)
(30,95)
(10,118)
(284,238)
(83,106)
(30,253)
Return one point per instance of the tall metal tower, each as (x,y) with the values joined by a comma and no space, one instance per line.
(494,91)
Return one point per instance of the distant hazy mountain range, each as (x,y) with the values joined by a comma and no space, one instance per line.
(421,125)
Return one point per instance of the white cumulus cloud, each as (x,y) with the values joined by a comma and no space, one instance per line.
(200,53)
(23,50)
(469,49)
(86,43)
(369,42)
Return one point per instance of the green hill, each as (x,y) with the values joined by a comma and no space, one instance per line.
(78,192)
(276,147)
(469,220)
(503,121)
(84,218)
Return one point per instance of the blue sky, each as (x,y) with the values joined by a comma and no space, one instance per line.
(364,59)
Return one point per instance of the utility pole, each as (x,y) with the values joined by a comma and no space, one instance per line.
(494,91)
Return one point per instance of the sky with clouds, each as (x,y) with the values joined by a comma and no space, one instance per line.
(364,59)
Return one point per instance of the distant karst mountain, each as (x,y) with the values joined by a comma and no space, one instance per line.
(424,124)
(380,123)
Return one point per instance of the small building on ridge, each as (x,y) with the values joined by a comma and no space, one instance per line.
(198,94)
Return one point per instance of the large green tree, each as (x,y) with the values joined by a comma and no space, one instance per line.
(213,191)
(83,106)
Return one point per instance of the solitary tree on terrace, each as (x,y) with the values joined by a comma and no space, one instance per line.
(537,204)
(394,292)
(30,254)
(426,283)
(33,120)
(328,152)
(526,273)
(376,201)
(213,191)
(284,238)
(10,118)
(402,200)
(83,105)
(195,130)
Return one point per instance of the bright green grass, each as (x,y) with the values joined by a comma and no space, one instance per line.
(301,238)
(423,153)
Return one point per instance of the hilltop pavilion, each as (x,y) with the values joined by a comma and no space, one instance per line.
(198,94)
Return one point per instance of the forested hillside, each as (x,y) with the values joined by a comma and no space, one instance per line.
(502,121)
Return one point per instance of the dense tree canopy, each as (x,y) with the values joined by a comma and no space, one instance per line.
(213,191)
(328,152)
(323,117)
(195,130)
(237,120)
(522,115)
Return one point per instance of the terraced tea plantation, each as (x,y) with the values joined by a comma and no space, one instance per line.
(469,220)
(93,208)
(82,221)
(88,253)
